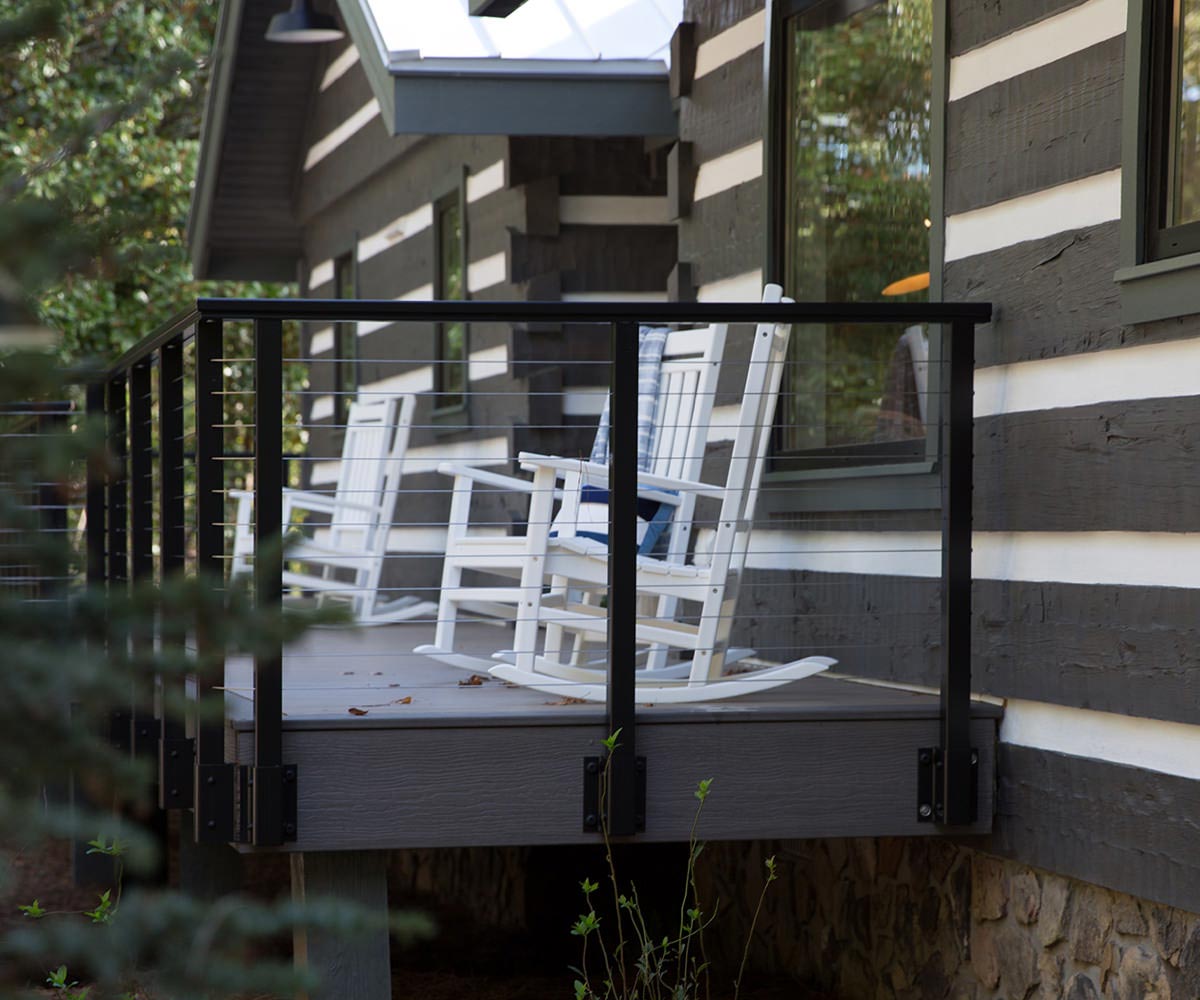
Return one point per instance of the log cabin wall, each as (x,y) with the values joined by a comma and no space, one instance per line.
(1085,510)
(545,219)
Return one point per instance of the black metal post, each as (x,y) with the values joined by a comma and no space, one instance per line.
(268,516)
(144,734)
(175,756)
(622,579)
(118,513)
(214,779)
(141,472)
(97,566)
(958,798)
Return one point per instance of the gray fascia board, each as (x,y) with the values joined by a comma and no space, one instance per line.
(212,134)
(483,99)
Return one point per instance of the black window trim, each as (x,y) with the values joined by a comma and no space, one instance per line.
(1151,288)
(898,485)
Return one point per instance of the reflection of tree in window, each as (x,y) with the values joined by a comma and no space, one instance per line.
(857,205)
(450,380)
(345,375)
(1185,193)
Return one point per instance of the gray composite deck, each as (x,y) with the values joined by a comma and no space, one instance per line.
(394,751)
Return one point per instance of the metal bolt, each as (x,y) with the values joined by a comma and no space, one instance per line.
(173,753)
(210,780)
(212,824)
(940,810)
(974,758)
(289,828)
(590,820)
(174,793)
(925,811)
(591,767)
(924,758)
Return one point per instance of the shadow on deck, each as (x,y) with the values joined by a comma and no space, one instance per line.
(395,750)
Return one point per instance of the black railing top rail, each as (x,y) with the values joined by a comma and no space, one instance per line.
(356,310)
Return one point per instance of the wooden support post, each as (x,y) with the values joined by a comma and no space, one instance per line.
(354,967)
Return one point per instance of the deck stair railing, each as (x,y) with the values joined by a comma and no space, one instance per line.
(164,510)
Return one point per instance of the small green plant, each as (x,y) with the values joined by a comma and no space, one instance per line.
(635,965)
(58,981)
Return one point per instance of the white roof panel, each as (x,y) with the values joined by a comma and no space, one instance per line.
(583,30)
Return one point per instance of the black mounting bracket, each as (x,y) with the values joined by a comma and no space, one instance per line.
(931,785)
(176,769)
(269,792)
(593,775)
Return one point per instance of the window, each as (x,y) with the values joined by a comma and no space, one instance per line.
(852,163)
(345,342)
(1160,162)
(1173,167)
(450,282)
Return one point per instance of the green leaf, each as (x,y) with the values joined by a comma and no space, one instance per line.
(33,910)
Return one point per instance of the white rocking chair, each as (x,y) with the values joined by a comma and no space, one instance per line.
(686,390)
(713,585)
(346,564)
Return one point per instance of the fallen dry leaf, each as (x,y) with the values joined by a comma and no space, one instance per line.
(567,701)
(406,700)
(473,681)
(358,711)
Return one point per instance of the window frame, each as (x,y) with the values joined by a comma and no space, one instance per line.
(1152,286)
(456,195)
(852,485)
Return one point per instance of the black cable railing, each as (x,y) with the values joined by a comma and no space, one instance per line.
(185,522)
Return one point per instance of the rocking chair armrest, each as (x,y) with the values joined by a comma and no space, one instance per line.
(323,503)
(671,485)
(478,475)
(593,472)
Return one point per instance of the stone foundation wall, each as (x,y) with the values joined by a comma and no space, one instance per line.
(925,919)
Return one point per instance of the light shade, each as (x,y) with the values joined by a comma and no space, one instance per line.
(303,24)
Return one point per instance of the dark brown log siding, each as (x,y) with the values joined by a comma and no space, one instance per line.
(1123,827)
(1052,125)
(976,22)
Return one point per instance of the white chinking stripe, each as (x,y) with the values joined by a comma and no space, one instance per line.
(489,180)
(322,341)
(396,231)
(488,362)
(1118,558)
(1075,205)
(489,451)
(743,37)
(485,273)
(728,171)
(337,69)
(1167,747)
(323,147)
(611,210)
(485,363)
(584,402)
(321,274)
(1037,45)
(738,288)
(1149,371)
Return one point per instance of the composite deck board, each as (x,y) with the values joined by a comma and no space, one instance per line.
(491,764)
